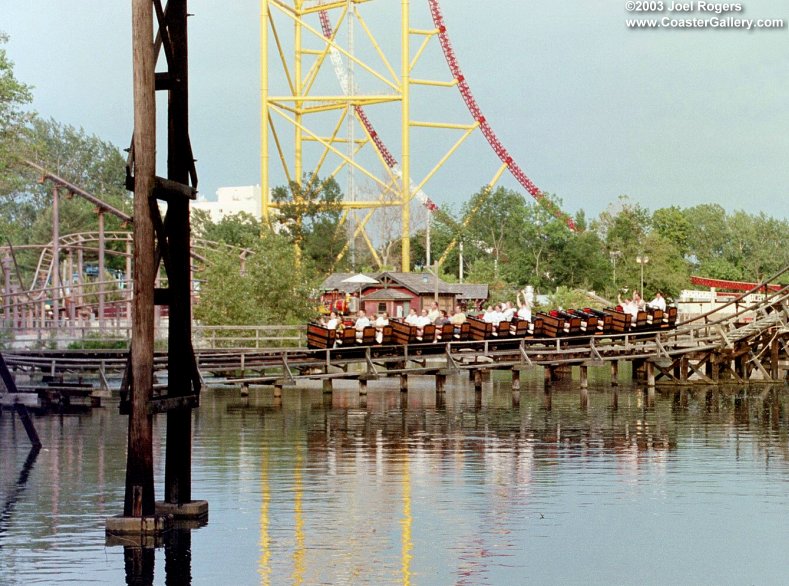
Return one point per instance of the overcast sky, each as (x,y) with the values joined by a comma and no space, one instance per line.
(589,108)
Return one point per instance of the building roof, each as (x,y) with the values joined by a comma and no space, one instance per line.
(381,294)
(470,290)
(335,281)
(417,283)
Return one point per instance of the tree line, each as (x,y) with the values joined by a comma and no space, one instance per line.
(508,240)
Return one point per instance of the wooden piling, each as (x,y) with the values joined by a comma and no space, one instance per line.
(584,372)
(403,383)
(441,380)
(650,397)
(477,380)
(362,386)
(182,380)
(650,374)
(516,379)
(139,498)
(327,386)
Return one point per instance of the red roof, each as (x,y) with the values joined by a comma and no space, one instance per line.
(730,285)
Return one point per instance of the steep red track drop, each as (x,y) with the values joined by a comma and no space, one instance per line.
(487,131)
(473,108)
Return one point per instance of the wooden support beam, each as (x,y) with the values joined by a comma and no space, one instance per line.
(516,379)
(139,499)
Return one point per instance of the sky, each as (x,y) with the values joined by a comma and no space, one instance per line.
(590,108)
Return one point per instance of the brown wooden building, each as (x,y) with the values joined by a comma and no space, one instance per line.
(396,293)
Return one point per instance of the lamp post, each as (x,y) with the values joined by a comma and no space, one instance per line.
(642,260)
(614,254)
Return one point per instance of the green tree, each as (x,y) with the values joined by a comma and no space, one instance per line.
(673,224)
(272,289)
(87,161)
(14,96)
(310,214)
(241,229)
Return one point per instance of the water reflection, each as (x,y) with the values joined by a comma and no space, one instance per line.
(16,492)
(412,488)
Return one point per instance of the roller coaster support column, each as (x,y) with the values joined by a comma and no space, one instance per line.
(101,271)
(7,261)
(55,256)
(405,161)
(441,381)
(650,374)
(183,387)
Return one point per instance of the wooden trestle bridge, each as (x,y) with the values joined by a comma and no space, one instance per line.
(749,346)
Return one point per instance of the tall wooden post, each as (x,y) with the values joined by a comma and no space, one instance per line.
(55,256)
(101,265)
(139,500)
(7,290)
(180,357)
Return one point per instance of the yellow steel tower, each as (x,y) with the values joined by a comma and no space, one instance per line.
(316,119)
(304,61)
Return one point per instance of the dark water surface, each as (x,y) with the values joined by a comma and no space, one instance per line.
(691,487)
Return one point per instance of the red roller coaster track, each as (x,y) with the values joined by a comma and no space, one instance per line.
(474,109)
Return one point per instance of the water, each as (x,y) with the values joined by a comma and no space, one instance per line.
(690,487)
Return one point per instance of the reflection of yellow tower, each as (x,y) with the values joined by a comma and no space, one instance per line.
(406,543)
(264,565)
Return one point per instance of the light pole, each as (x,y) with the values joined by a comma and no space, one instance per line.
(614,254)
(642,260)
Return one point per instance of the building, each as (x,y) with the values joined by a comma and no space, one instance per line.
(397,293)
(232,200)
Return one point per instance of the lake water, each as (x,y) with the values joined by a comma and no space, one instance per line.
(690,487)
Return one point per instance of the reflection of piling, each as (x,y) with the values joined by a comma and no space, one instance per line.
(441,380)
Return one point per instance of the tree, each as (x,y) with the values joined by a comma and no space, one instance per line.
(310,214)
(672,224)
(14,95)
(241,229)
(272,289)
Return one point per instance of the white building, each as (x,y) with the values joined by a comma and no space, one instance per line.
(232,200)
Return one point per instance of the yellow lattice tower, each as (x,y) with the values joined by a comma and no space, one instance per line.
(302,53)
